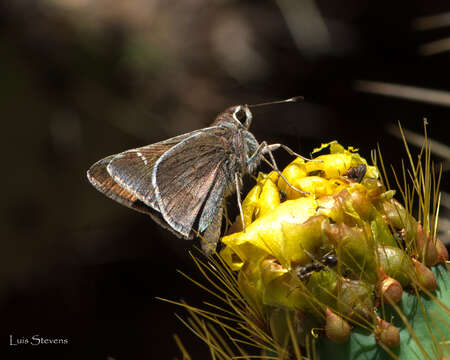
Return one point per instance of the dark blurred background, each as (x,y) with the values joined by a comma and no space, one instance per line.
(83,79)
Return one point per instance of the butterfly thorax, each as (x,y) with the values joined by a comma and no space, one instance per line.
(240,145)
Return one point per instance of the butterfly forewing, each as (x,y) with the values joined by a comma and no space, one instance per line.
(188,171)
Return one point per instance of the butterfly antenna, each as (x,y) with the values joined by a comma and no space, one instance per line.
(292,99)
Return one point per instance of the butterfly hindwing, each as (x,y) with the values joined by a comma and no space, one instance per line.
(103,182)
(212,233)
(133,169)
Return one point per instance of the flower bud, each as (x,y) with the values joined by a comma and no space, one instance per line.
(442,251)
(389,289)
(399,218)
(381,231)
(426,247)
(355,299)
(362,204)
(336,328)
(425,276)
(396,264)
(355,250)
(387,334)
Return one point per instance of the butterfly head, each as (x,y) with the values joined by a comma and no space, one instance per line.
(239,115)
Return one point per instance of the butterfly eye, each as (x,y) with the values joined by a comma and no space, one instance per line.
(240,115)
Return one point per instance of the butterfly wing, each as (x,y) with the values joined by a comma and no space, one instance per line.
(212,233)
(133,169)
(103,182)
(189,174)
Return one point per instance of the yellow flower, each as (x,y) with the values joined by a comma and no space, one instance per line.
(327,246)
(289,230)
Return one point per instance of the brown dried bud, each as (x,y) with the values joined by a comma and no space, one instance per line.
(428,251)
(336,328)
(387,334)
(389,288)
(442,251)
(425,276)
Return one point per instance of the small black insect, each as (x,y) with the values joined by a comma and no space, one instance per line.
(305,272)
(356,173)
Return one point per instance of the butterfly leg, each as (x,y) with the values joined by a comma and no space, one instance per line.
(268,150)
(237,180)
(258,155)
(291,152)
(227,218)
